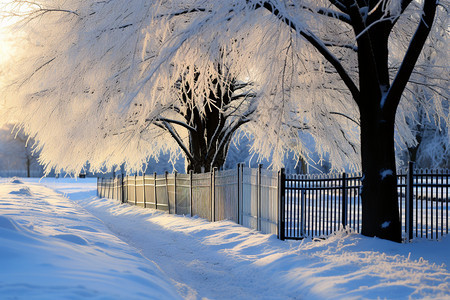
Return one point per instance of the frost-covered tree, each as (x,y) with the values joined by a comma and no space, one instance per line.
(432,147)
(324,65)
(378,92)
(122,92)
(432,143)
(209,131)
(16,153)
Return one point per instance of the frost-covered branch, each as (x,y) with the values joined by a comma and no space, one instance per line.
(180,123)
(329,13)
(319,45)
(176,137)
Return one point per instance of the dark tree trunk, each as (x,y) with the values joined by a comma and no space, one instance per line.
(208,146)
(380,211)
(28,166)
(204,163)
(209,142)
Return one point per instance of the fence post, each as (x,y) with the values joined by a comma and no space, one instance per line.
(191,194)
(238,193)
(113,184)
(135,189)
(303,212)
(123,189)
(128,189)
(156,200)
(242,192)
(175,190)
(281,200)
(213,194)
(108,188)
(258,198)
(167,191)
(143,189)
(115,187)
(344,200)
(409,201)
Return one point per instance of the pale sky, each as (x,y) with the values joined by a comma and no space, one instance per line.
(6,37)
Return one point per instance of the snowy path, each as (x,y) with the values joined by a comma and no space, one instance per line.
(225,261)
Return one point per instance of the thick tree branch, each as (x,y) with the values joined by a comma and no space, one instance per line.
(393,96)
(339,5)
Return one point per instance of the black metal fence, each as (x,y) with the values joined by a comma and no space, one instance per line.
(291,206)
(315,206)
(424,196)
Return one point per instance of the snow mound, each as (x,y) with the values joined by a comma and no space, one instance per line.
(72,238)
(23,191)
(15,180)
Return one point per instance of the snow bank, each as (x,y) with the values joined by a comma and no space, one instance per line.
(52,249)
(223,260)
(219,260)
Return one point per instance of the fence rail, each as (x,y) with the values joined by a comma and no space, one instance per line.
(291,206)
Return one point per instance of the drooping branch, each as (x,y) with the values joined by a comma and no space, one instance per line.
(166,126)
(346,46)
(188,127)
(329,13)
(182,12)
(318,44)
(37,70)
(345,116)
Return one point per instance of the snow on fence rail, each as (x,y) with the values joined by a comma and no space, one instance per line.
(291,206)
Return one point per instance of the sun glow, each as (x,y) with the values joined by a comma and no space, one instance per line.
(6,44)
(10,13)
(6,48)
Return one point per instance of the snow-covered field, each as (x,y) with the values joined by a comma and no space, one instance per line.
(58,241)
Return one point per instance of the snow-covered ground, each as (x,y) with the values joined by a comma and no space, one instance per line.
(70,244)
